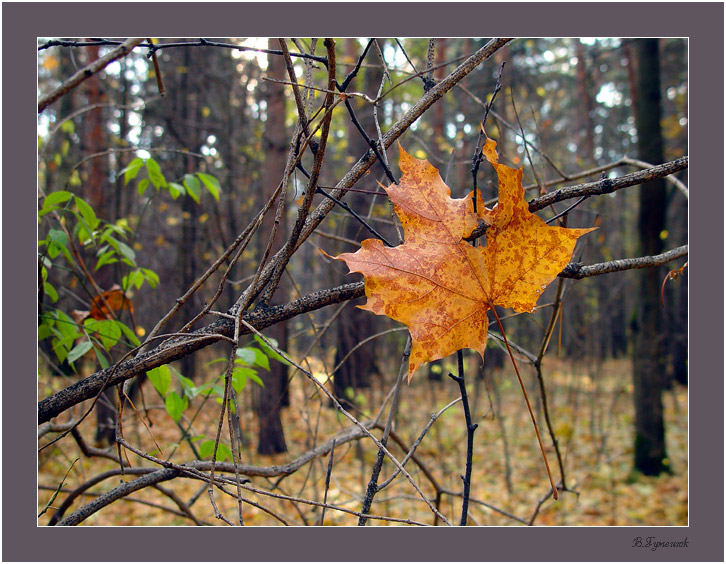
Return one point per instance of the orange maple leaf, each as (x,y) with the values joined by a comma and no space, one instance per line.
(114,297)
(441,286)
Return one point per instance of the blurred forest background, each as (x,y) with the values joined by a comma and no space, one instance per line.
(567,112)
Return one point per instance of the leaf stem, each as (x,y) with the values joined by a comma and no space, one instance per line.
(529,407)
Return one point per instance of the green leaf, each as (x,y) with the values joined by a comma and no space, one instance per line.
(247,355)
(129,334)
(87,213)
(143,184)
(132,170)
(82,230)
(193,187)
(187,384)
(206,450)
(62,345)
(127,252)
(255,378)
(57,244)
(108,331)
(68,127)
(56,198)
(240,374)
(79,350)
(175,405)
(102,360)
(60,350)
(65,331)
(261,358)
(66,327)
(206,389)
(160,377)
(44,211)
(269,351)
(155,175)
(122,248)
(109,257)
(75,179)
(44,330)
(151,277)
(211,183)
(216,360)
(58,489)
(219,390)
(176,190)
(134,278)
(50,291)
(223,452)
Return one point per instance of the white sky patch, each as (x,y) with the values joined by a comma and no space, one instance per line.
(609,96)
(255,43)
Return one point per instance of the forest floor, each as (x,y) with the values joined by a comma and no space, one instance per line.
(591,411)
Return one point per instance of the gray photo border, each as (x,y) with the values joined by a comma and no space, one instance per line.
(701,22)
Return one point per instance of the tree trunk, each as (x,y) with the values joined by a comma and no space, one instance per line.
(355,324)
(97,185)
(271,436)
(187,250)
(648,362)
(586,148)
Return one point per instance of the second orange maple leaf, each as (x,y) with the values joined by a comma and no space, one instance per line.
(441,286)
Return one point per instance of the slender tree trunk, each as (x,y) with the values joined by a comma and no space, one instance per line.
(438,109)
(186,258)
(503,107)
(96,182)
(271,436)
(587,127)
(649,365)
(355,324)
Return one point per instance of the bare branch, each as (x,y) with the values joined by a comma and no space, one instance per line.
(608,185)
(578,271)
(96,66)
(264,317)
(602,186)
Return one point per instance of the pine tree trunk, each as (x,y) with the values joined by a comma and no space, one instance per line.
(355,324)
(271,436)
(97,186)
(649,351)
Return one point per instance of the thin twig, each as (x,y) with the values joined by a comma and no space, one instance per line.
(478,156)
(327,482)
(157,71)
(470,428)
(358,218)
(372,487)
(352,419)
(87,72)
(526,400)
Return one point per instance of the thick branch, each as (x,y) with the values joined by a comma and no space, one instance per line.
(608,185)
(96,66)
(577,271)
(264,317)
(177,348)
(604,186)
(122,490)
